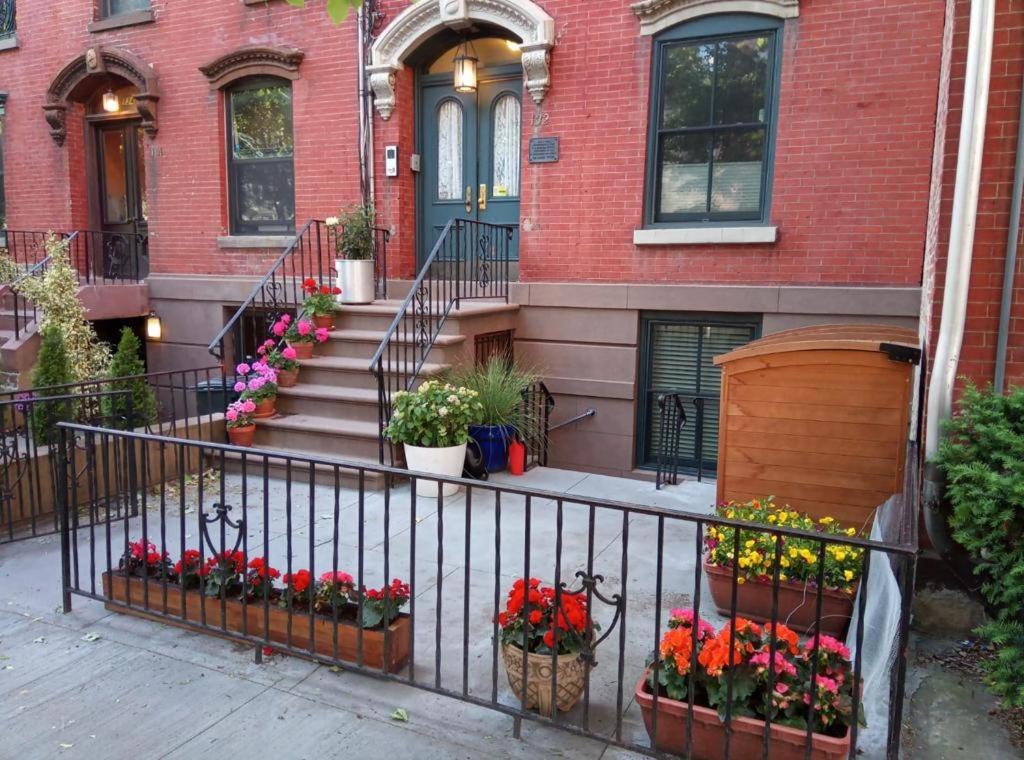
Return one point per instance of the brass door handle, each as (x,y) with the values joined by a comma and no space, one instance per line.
(481,198)
(469,199)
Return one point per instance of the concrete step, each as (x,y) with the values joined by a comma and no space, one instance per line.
(363,344)
(331,401)
(350,373)
(380,314)
(334,437)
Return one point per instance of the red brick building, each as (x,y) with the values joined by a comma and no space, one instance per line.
(683,175)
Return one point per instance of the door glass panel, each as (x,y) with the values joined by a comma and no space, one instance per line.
(140,175)
(115,186)
(507,128)
(449,151)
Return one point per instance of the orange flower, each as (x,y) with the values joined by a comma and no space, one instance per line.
(715,654)
(784,636)
(676,646)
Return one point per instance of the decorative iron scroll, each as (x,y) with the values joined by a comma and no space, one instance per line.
(221,518)
(588,583)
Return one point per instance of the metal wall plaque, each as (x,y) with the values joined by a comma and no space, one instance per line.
(543,150)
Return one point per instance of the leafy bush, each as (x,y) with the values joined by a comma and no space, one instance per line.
(127,362)
(982,457)
(435,415)
(53,367)
(355,232)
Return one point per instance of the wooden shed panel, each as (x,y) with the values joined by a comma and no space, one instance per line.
(816,417)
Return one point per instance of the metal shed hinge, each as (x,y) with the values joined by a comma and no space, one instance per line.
(901,353)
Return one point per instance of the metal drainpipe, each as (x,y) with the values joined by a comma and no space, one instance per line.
(1010,267)
(958,262)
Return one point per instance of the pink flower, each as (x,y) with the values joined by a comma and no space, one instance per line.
(231,414)
(268,343)
(288,353)
(320,334)
(828,644)
(340,578)
(243,369)
(781,688)
(782,665)
(239,386)
(248,406)
(304,327)
(279,329)
(286,318)
(256,383)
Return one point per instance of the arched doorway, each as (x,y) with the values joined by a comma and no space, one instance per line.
(469,142)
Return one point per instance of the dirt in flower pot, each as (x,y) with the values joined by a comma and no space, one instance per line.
(572,678)
(242,436)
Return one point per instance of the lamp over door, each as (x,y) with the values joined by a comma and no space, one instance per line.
(465,69)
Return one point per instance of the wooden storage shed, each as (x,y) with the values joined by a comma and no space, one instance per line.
(817,417)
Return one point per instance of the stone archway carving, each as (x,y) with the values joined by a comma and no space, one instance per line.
(253,61)
(523,18)
(76,81)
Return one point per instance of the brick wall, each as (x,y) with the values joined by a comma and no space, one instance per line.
(856,122)
(977,359)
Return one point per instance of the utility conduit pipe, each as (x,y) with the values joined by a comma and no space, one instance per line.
(958,261)
(1010,267)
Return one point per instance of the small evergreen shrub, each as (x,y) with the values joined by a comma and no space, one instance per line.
(127,362)
(53,367)
(982,457)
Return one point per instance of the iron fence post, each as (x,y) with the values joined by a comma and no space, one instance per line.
(65,523)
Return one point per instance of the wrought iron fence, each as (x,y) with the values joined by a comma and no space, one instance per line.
(105,258)
(673,419)
(470,260)
(536,406)
(310,255)
(182,403)
(671,429)
(628,579)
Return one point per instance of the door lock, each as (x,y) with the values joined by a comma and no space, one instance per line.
(482,198)
(469,199)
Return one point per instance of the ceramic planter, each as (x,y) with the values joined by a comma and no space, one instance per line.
(493,441)
(242,436)
(355,280)
(287,378)
(797,602)
(266,408)
(445,460)
(303,349)
(572,678)
(248,619)
(325,320)
(746,741)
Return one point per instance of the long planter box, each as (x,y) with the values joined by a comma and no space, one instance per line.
(124,589)
(797,603)
(746,742)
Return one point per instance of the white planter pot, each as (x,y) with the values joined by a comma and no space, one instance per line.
(355,279)
(447,461)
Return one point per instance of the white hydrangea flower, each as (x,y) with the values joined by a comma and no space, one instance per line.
(331,221)
(442,411)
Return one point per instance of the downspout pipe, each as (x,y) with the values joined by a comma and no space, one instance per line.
(966,189)
(1010,266)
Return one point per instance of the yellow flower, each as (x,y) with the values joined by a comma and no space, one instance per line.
(794,553)
(848,574)
(851,531)
(826,521)
(840,555)
(740,580)
(782,576)
(784,562)
(749,544)
(771,518)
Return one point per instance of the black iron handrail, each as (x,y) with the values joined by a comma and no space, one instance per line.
(470,260)
(672,420)
(310,254)
(536,408)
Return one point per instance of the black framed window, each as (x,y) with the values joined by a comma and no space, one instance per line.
(117,7)
(677,356)
(713,103)
(261,168)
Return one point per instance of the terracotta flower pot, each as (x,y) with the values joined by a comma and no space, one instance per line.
(302,350)
(708,743)
(572,678)
(326,320)
(287,378)
(242,436)
(266,408)
(797,602)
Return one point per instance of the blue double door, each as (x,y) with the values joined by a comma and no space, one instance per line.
(470,154)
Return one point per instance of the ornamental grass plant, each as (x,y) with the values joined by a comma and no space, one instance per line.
(499,385)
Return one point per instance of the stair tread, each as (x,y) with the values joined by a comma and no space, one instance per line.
(330,392)
(376,336)
(315,423)
(356,460)
(467,307)
(343,363)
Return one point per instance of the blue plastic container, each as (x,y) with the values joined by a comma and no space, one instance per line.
(493,441)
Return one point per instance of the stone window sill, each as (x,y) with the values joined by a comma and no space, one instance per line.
(133,18)
(9,43)
(705,235)
(255,241)
(256,2)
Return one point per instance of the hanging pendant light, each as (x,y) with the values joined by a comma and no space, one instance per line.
(465,69)
(110,102)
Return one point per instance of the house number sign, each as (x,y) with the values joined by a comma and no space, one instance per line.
(543,150)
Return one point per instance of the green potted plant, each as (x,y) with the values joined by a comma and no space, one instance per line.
(319,304)
(499,385)
(432,423)
(355,246)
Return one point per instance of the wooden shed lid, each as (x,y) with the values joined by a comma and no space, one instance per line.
(855,337)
